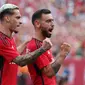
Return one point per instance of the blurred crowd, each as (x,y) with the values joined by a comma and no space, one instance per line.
(69,16)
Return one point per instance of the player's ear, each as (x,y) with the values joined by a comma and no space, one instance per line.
(7,18)
(37,23)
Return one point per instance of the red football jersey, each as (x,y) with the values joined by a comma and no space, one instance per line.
(42,61)
(8,52)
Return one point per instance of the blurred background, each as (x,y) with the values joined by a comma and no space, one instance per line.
(69,16)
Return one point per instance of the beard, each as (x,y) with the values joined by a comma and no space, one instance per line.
(46,34)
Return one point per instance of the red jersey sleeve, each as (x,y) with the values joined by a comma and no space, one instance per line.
(44,60)
(9,52)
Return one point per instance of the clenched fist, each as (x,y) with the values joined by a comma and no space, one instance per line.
(46,44)
(65,49)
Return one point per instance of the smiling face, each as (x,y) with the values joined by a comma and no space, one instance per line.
(46,25)
(14,21)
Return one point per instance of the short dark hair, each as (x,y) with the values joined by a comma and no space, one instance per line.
(7,12)
(38,14)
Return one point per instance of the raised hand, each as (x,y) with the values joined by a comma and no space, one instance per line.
(47,44)
(65,49)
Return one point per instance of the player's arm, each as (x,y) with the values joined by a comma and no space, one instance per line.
(54,67)
(31,57)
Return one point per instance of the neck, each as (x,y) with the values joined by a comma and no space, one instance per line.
(39,36)
(4,28)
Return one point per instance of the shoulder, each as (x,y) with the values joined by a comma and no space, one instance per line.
(32,45)
(3,40)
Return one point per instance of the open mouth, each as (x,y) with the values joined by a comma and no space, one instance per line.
(50,30)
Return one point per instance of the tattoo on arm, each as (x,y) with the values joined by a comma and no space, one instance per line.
(57,63)
(56,66)
(28,58)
